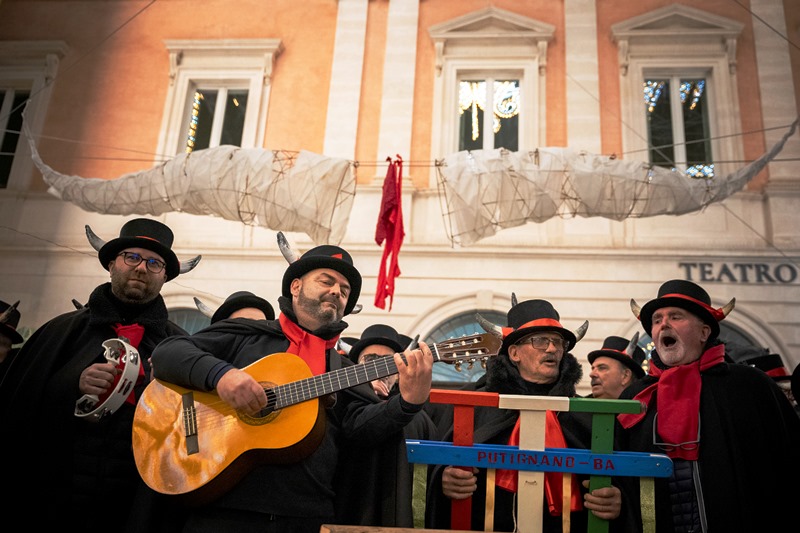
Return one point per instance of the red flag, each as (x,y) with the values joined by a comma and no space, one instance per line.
(390,229)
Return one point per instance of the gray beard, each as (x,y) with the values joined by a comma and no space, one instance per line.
(312,307)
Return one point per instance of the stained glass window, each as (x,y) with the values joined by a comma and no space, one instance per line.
(497,129)
(678,124)
(12,104)
(216,118)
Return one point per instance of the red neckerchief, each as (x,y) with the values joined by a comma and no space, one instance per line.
(553,438)
(678,402)
(132,334)
(310,348)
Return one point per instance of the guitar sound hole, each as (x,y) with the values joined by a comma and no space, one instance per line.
(267,414)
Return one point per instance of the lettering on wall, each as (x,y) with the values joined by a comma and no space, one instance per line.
(758,273)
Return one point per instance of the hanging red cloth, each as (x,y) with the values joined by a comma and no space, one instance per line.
(553,438)
(390,229)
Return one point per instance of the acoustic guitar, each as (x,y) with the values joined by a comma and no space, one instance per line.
(193,445)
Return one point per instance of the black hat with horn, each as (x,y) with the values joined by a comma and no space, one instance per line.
(324,256)
(240,300)
(688,296)
(626,352)
(9,320)
(142,233)
(531,316)
(378,334)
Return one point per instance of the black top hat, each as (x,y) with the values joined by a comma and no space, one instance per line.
(9,320)
(378,334)
(325,256)
(686,295)
(240,300)
(143,233)
(771,363)
(614,347)
(531,316)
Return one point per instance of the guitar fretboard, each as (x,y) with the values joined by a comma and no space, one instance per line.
(350,376)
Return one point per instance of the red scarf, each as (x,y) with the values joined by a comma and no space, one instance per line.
(677,403)
(132,334)
(309,347)
(553,481)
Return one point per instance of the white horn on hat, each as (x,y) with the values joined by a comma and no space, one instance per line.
(356,309)
(632,345)
(77,304)
(7,313)
(203,308)
(343,346)
(636,309)
(728,307)
(189,264)
(286,249)
(581,331)
(514,301)
(97,243)
(489,327)
(94,240)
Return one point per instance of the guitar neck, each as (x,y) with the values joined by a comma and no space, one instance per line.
(466,348)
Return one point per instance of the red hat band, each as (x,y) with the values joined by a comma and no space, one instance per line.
(541,323)
(716,313)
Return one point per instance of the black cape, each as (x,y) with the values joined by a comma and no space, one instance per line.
(749,451)
(70,463)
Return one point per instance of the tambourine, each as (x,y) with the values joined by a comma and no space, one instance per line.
(90,406)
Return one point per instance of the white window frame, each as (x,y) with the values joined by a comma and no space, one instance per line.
(29,66)
(230,63)
(489,77)
(676,118)
(490,43)
(656,43)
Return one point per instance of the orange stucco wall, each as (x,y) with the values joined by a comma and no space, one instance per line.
(108,100)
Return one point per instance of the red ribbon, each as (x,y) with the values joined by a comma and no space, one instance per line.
(553,481)
(132,334)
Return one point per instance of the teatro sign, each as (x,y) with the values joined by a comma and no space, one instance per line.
(757,273)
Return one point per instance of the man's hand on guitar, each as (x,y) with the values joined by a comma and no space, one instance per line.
(97,378)
(415,374)
(241,391)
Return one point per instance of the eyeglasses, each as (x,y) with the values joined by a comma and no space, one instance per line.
(543,343)
(133,259)
(667,446)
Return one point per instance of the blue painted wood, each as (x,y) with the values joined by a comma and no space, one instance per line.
(571,460)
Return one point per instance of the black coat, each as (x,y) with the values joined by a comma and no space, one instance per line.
(494,426)
(359,472)
(749,452)
(64,466)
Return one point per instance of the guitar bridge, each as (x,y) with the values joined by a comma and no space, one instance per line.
(190,423)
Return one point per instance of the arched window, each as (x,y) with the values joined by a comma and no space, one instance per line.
(191,320)
(460,325)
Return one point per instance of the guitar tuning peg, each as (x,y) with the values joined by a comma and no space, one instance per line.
(471,364)
(458,366)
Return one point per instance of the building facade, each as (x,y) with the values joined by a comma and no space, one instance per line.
(108,89)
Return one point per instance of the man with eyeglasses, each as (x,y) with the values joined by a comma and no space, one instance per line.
(731,433)
(534,359)
(70,467)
